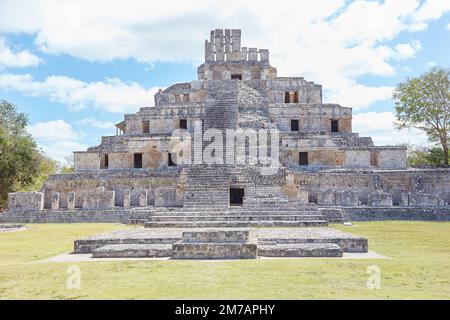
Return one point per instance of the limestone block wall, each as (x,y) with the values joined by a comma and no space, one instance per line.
(394,158)
(25,201)
(247,71)
(357,158)
(86,160)
(308,92)
(129,187)
(98,199)
(377,187)
(311,117)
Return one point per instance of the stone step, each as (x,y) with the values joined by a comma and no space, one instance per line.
(300,250)
(235,218)
(234,224)
(209,212)
(133,251)
(214,250)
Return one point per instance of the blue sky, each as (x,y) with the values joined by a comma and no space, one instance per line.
(77,66)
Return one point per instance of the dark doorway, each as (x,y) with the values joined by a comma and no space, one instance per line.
(334,125)
(170,161)
(303,158)
(146,126)
(236,77)
(236,196)
(294,125)
(138,160)
(291,97)
(104,163)
(183,124)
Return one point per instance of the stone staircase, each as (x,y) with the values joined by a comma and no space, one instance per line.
(206,187)
(236,217)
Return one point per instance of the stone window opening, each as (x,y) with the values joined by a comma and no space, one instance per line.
(291,97)
(137,163)
(334,125)
(183,124)
(104,162)
(236,77)
(294,125)
(181,98)
(236,196)
(146,126)
(374,158)
(303,158)
(170,161)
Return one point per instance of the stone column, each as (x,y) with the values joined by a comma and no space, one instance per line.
(126,199)
(143,198)
(71,200)
(55,201)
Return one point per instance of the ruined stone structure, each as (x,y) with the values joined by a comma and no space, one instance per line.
(290,160)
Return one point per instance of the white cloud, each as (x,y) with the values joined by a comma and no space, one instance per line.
(430,10)
(20,59)
(111,95)
(359,96)
(96,123)
(327,41)
(407,50)
(380,126)
(57,138)
(53,131)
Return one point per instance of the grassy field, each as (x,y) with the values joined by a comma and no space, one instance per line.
(419,269)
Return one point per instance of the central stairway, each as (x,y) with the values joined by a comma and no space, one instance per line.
(236,217)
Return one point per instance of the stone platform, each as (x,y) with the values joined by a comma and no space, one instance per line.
(213,243)
(11,227)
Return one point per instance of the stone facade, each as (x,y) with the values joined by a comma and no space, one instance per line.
(167,156)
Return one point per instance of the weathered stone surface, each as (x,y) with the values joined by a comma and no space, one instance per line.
(300,250)
(262,236)
(219,236)
(133,251)
(214,250)
(25,201)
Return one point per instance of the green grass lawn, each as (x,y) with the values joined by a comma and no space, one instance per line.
(419,269)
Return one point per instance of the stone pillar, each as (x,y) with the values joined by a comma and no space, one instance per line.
(55,201)
(252,54)
(219,41)
(71,200)
(143,198)
(244,54)
(264,55)
(209,51)
(235,40)
(126,199)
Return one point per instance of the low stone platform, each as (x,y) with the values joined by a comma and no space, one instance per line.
(11,227)
(269,242)
(215,244)
(133,251)
(300,250)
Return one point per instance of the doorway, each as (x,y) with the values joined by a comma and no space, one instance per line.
(236,196)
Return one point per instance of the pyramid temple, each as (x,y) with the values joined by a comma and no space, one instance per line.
(238,147)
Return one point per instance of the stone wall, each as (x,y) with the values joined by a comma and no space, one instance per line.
(86,160)
(376,187)
(25,201)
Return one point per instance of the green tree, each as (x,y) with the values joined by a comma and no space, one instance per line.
(20,160)
(423,156)
(47,166)
(424,103)
(68,166)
